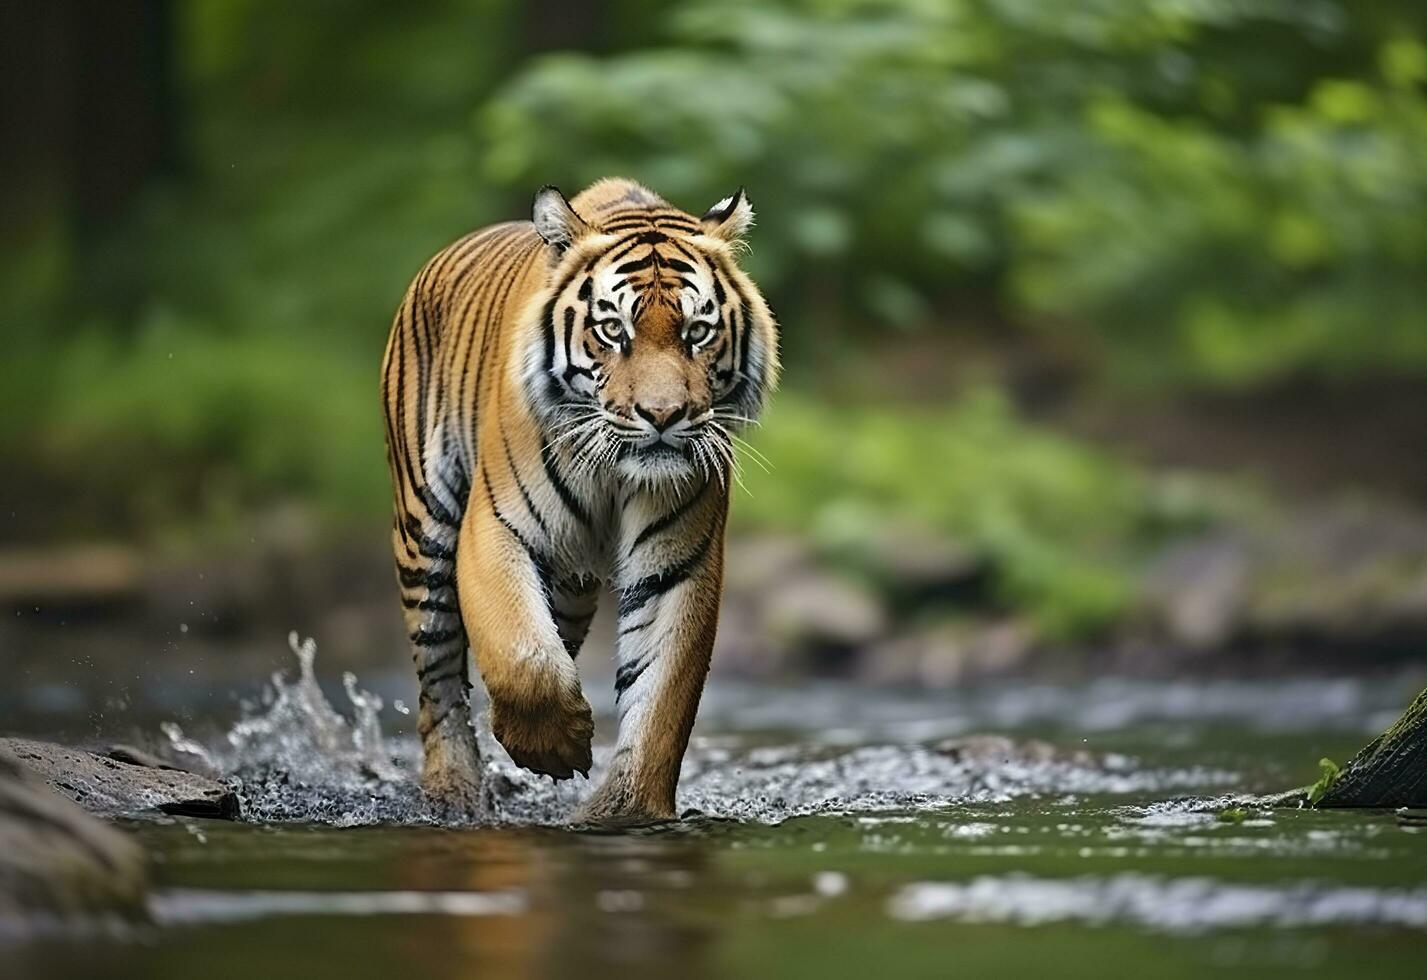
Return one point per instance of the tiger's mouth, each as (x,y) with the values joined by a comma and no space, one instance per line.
(658,463)
(659,452)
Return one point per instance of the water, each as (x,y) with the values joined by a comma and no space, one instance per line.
(830,831)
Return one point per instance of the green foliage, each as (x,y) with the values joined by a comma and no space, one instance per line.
(1232,814)
(218,348)
(1296,246)
(1329,774)
(1058,523)
(1214,190)
(179,429)
(1222,190)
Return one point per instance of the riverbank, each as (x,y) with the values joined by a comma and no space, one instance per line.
(1324,590)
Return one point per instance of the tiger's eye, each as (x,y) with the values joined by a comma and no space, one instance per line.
(610,332)
(697,333)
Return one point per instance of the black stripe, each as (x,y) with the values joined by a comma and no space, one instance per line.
(658,222)
(436,661)
(569,335)
(429,605)
(637,595)
(520,485)
(547,319)
(627,674)
(415,578)
(435,509)
(567,496)
(431,549)
(435,638)
(541,563)
(449,674)
(436,722)
(668,519)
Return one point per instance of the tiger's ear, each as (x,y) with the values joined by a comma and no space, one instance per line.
(555,221)
(730,218)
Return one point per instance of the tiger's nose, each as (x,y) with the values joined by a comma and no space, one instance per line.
(660,416)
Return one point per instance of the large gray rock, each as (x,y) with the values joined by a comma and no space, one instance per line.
(940,654)
(785,610)
(105,785)
(58,864)
(1330,579)
(1197,590)
(918,563)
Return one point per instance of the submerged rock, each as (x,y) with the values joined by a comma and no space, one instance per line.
(107,785)
(58,864)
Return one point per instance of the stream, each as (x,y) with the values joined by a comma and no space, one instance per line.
(828,830)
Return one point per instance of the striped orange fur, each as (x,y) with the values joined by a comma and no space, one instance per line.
(560,397)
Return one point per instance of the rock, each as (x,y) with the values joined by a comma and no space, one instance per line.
(58,864)
(107,785)
(921,564)
(1344,577)
(138,757)
(1327,579)
(784,610)
(941,654)
(1195,591)
(761,561)
(823,609)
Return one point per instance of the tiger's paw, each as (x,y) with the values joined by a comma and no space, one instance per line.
(618,803)
(451,767)
(549,735)
(457,794)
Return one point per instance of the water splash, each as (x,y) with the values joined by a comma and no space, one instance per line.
(776,783)
(294,757)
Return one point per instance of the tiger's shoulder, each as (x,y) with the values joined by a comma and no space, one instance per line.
(477,259)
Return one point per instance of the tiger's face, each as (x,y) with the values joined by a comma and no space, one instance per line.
(654,347)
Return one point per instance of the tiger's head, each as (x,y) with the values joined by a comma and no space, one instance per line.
(652,345)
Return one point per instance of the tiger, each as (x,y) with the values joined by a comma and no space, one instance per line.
(561,398)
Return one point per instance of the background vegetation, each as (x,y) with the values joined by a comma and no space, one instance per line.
(1159,196)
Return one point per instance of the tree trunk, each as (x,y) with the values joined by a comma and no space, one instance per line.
(1391,771)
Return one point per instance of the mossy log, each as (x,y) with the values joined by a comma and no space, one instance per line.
(1391,771)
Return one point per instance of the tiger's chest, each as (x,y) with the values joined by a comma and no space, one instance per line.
(584,533)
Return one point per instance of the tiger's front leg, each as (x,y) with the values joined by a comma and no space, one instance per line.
(670,583)
(538,712)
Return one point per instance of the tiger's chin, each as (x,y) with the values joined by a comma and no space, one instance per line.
(657,465)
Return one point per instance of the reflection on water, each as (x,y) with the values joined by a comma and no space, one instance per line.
(191,906)
(832,832)
(1185,905)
